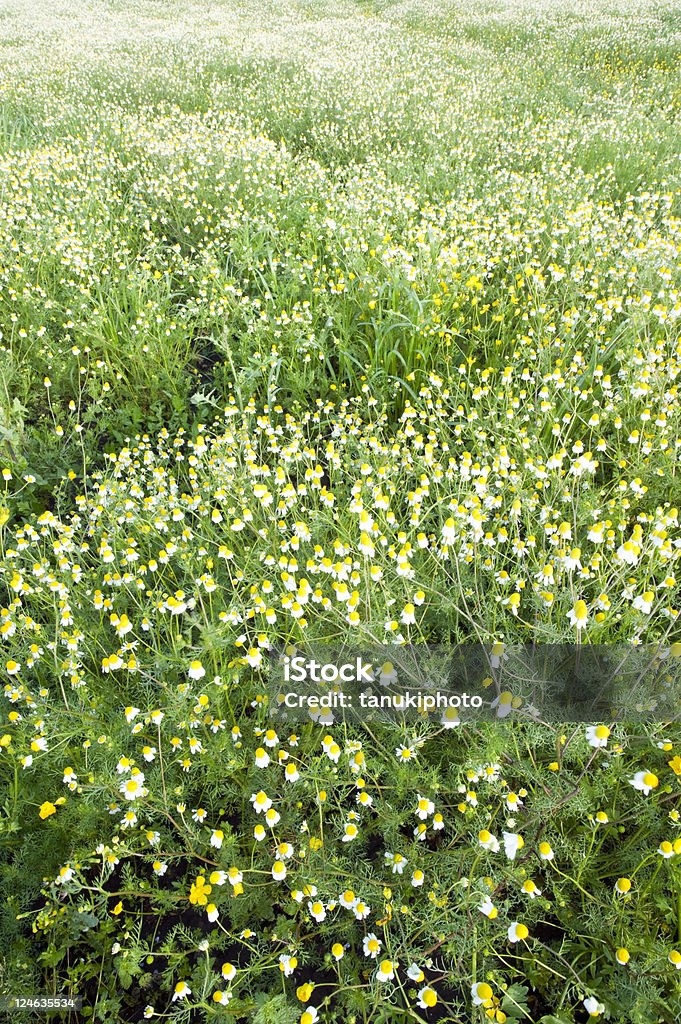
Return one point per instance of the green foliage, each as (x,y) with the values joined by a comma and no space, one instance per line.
(275,1010)
(327,319)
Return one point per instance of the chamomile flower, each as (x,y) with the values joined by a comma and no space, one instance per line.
(517,932)
(512,843)
(427,998)
(181,991)
(593,1007)
(579,615)
(487,908)
(317,910)
(133,787)
(287,964)
(372,945)
(386,971)
(597,735)
(405,753)
(645,782)
(261,802)
(397,862)
(361,910)
(488,841)
(482,994)
(424,807)
(350,832)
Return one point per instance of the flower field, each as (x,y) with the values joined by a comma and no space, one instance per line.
(340,322)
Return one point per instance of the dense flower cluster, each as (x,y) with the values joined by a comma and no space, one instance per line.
(381,323)
(185,563)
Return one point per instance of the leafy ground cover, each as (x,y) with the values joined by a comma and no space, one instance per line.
(336,321)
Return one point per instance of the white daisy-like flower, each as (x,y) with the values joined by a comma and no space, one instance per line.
(262,758)
(424,807)
(350,832)
(372,945)
(427,997)
(64,875)
(597,735)
(450,718)
(487,908)
(488,841)
(517,932)
(347,899)
(644,782)
(397,862)
(644,602)
(386,971)
(181,991)
(481,994)
(287,964)
(593,1007)
(261,802)
(579,615)
(512,843)
(278,871)
(361,910)
(317,910)
(133,788)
